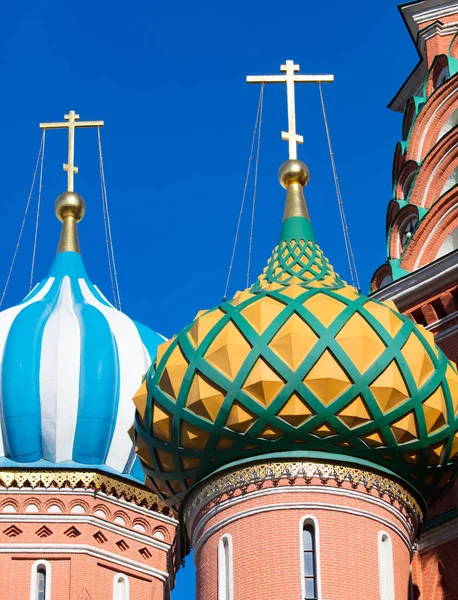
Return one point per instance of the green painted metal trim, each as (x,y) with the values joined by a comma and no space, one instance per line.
(322,457)
(296,228)
(452,66)
(396,270)
(436,521)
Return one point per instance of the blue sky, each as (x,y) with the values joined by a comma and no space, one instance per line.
(168,79)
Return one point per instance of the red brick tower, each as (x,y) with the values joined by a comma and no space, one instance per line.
(421,272)
(82,536)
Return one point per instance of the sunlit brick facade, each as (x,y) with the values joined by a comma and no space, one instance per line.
(420,275)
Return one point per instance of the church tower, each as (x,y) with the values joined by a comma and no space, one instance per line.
(77,521)
(300,428)
(421,272)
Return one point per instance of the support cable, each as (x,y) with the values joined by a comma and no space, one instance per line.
(107,227)
(250,158)
(21,231)
(255,184)
(37,218)
(348,247)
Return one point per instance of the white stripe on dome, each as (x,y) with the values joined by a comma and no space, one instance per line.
(59,378)
(132,368)
(6,320)
(148,358)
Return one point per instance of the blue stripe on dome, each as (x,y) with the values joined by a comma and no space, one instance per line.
(21,378)
(70,264)
(99,376)
(99,385)
(136,471)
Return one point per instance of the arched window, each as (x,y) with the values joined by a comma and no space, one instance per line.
(406,231)
(443,76)
(449,244)
(120,587)
(451,182)
(310,559)
(451,122)
(40,582)
(385,567)
(225,576)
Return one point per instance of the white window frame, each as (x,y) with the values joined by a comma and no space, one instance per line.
(385,566)
(33,581)
(310,520)
(225,568)
(116,593)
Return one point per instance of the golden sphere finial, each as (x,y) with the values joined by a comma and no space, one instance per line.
(70,204)
(293,171)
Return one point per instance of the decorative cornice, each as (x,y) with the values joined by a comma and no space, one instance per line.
(198,529)
(254,477)
(73,519)
(47,549)
(446,333)
(434,29)
(420,284)
(417,13)
(54,478)
(438,535)
(115,501)
(410,86)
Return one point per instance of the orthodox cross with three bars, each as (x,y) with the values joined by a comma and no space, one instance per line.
(290,78)
(70,123)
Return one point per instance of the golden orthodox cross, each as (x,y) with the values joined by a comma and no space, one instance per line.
(290,78)
(70,123)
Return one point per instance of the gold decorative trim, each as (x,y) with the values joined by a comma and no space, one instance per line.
(87,480)
(254,477)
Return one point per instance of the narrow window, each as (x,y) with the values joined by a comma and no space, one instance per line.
(40,582)
(385,557)
(120,587)
(309,561)
(225,583)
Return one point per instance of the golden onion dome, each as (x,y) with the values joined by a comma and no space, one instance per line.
(299,364)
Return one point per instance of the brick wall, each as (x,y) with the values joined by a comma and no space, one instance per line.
(87,538)
(265,530)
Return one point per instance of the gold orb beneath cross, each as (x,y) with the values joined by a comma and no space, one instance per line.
(70,204)
(293,171)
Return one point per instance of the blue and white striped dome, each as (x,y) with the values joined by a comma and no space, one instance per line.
(70,364)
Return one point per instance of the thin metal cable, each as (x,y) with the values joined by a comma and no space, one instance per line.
(110,269)
(255,185)
(231,264)
(35,238)
(108,234)
(23,220)
(348,246)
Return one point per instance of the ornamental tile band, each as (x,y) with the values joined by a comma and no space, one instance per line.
(83,479)
(255,476)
